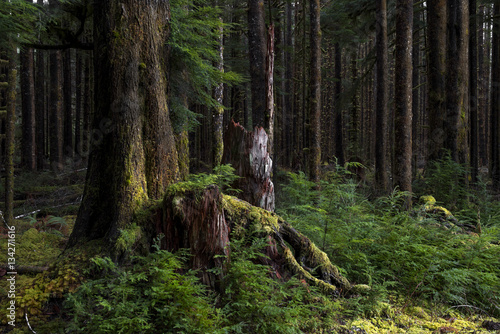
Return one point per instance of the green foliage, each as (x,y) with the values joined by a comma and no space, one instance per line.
(194,49)
(150,296)
(254,302)
(395,251)
(16,21)
(223,176)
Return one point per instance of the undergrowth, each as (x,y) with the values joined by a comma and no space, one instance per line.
(405,255)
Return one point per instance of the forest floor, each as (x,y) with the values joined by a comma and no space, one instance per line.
(47,204)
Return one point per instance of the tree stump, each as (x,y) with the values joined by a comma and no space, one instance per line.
(248,154)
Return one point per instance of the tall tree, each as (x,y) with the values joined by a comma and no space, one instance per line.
(135,159)
(403,95)
(67,105)
(40,106)
(55,111)
(315,92)
(436,35)
(495,100)
(28,156)
(257,54)
(10,145)
(338,122)
(473,91)
(381,177)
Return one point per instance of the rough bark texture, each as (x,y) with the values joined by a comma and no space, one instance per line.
(403,95)
(28,153)
(133,156)
(269,117)
(436,35)
(257,54)
(219,110)
(315,93)
(381,177)
(247,153)
(201,220)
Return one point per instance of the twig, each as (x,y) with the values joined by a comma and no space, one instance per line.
(52,207)
(4,222)
(470,306)
(27,321)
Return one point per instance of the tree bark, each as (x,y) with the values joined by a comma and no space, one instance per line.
(315,93)
(133,155)
(55,112)
(381,177)
(28,152)
(473,91)
(257,54)
(436,35)
(68,106)
(247,153)
(78,107)
(495,101)
(339,124)
(219,109)
(269,117)
(10,144)
(403,96)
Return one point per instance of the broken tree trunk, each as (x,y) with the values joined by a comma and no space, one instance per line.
(201,220)
(247,152)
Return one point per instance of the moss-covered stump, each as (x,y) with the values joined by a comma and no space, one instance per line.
(202,220)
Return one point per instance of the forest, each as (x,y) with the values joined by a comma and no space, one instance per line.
(229,166)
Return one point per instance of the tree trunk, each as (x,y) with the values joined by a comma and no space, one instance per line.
(381,177)
(403,96)
(28,152)
(55,112)
(10,144)
(247,153)
(436,35)
(219,109)
(269,117)
(40,106)
(133,156)
(288,113)
(473,91)
(68,106)
(78,107)
(257,54)
(339,125)
(495,101)
(315,93)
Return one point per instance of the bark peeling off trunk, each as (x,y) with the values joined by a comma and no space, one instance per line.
(247,153)
(197,221)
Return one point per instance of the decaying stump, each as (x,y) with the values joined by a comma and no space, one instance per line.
(248,154)
(201,221)
(195,220)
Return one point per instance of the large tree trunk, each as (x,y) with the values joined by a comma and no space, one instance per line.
(247,153)
(403,95)
(133,157)
(202,220)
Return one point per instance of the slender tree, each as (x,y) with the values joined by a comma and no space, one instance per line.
(134,157)
(315,92)
(473,91)
(338,119)
(10,119)
(403,95)
(381,177)
(28,152)
(67,105)
(495,100)
(40,106)
(257,54)
(436,36)
(55,111)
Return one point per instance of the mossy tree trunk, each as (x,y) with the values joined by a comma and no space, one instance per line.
(133,156)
